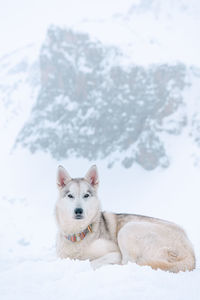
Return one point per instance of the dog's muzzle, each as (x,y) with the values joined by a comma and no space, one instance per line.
(78,213)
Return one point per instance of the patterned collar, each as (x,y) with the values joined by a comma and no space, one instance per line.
(77,237)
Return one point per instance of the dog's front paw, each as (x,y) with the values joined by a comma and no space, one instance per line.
(95,264)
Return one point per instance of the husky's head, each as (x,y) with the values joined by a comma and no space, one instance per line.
(78,203)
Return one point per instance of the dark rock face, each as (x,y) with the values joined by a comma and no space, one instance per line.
(91,106)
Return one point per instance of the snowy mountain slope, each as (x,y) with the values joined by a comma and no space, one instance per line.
(115,75)
(91,106)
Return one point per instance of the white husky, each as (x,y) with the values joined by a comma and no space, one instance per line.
(85,232)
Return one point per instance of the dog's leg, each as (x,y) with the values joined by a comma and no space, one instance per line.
(110,258)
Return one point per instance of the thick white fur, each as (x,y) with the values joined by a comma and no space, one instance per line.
(120,238)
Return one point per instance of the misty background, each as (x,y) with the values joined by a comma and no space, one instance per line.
(115,83)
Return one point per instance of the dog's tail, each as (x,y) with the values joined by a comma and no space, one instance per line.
(174,263)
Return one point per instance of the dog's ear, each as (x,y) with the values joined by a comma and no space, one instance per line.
(92,176)
(62,177)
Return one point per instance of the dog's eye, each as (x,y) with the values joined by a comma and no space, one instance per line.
(70,196)
(86,196)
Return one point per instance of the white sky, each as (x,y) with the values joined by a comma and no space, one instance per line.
(25,21)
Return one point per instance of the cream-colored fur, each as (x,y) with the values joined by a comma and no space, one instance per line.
(116,238)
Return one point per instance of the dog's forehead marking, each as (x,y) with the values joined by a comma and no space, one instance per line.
(78,186)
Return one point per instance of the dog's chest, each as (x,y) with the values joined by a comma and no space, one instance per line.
(73,250)
(76,250)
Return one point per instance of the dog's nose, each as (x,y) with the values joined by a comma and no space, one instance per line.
(78,211)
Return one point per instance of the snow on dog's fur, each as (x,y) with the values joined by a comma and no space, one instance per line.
(85,232)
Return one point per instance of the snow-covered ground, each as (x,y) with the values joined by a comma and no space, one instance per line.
(28,263)
(29,267)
